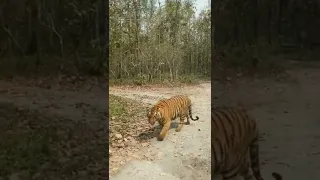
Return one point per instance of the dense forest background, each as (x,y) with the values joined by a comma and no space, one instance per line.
(50,37)
(150,40)
(252,35)
(156,41)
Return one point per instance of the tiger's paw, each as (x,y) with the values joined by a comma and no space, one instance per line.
(187,123)
(160,138)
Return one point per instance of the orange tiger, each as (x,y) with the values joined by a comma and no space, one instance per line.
(167,110)
(234,143)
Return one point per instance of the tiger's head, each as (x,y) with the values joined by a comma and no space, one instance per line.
(153,115)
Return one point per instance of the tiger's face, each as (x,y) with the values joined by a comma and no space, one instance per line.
(153,116)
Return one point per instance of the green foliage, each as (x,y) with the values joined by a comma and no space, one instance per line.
(149,42)
(116,106)
(190,79)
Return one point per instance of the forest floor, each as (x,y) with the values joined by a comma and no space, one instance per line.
(59,132)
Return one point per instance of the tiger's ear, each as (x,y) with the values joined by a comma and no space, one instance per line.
(158,113)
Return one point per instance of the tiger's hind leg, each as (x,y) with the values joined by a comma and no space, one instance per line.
(188,119)
(181,123)
(247,174)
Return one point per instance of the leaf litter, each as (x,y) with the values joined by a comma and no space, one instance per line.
(36,146)
(127,124)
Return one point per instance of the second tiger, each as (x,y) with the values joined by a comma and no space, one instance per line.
(234,144)
(167,110)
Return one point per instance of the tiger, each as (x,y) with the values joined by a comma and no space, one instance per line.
(234,144)
(167,110)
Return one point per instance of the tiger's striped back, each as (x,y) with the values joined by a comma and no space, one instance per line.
(234,136)
(167,110)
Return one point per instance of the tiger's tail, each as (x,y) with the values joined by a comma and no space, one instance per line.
(254,157)
(190,113)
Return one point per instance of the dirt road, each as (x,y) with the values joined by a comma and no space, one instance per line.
(183,155)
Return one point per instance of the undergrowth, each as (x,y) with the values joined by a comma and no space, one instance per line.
(165,80)
(125,114)
(127,122)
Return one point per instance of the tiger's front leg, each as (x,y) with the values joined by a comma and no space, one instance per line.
(164,130)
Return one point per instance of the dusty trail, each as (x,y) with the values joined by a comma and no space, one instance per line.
(183,155)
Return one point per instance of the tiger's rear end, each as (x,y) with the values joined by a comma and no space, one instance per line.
(234,136)
(168,109)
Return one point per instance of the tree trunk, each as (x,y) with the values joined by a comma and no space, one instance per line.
(255,21)
(269,23)
(38,35)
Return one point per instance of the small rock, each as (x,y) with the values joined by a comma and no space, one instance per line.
(199,130)
(144,144)
(115,169)
(125,139)
(189,166)
(118,136)
(121,145)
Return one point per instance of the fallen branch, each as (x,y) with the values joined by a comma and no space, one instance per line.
(7,30)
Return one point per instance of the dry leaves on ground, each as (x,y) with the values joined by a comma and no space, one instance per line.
(126,122)
(35,146)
